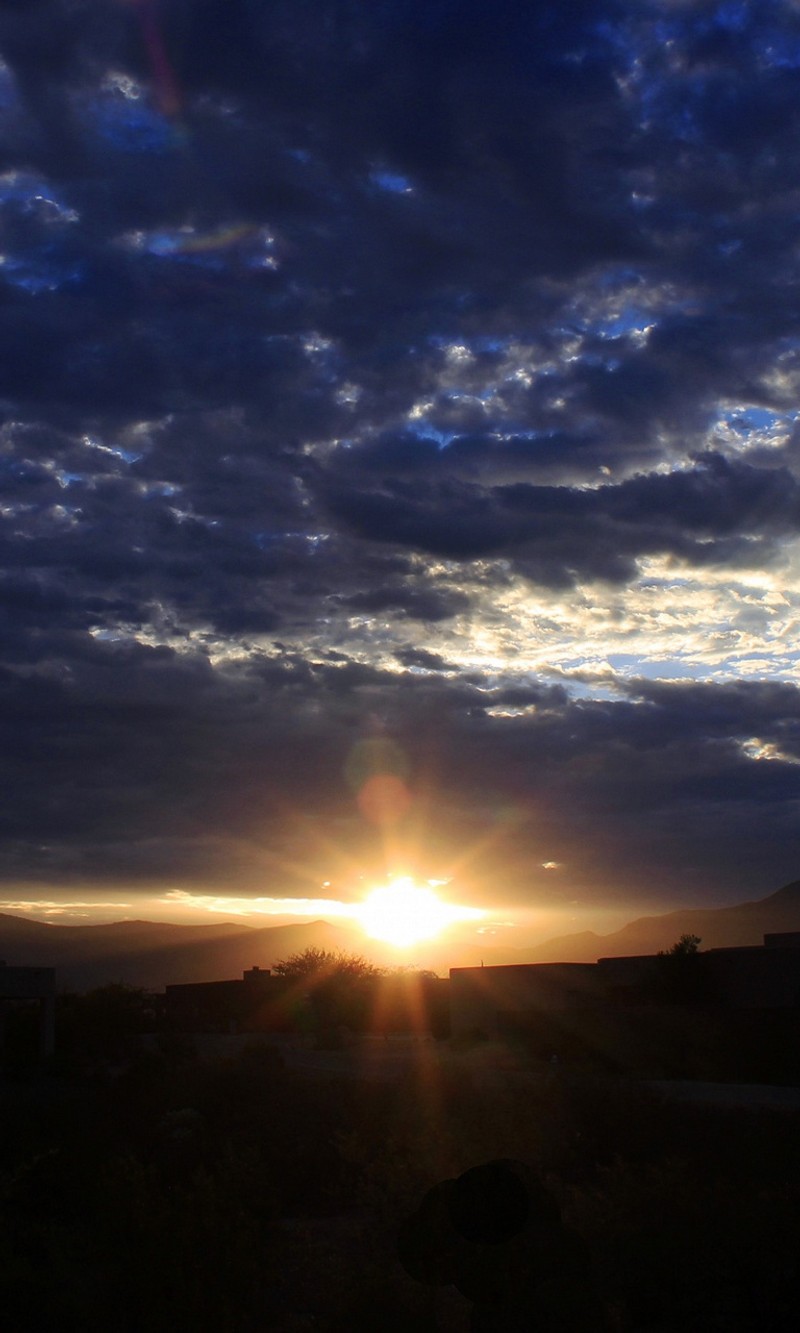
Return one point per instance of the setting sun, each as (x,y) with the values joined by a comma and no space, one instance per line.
(404,912)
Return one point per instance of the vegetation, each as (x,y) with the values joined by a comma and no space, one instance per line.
(686,947)
(164,1191)
(317,963)
(335,988)
(680,975)
(344,993)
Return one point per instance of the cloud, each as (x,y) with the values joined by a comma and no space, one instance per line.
(712,513)
(240,781)
(425,366)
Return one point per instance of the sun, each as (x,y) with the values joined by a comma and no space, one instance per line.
(403,913)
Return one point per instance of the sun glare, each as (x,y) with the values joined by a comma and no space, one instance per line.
(404,912)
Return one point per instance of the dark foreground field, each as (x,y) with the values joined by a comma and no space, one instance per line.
(233,1193)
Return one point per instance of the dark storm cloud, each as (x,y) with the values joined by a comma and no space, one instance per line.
(533,149)
(138,759)
(641,794)
(307,312)
(713,513)
(415,603)
(422,658)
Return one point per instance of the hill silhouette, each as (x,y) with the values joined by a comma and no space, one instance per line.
(154,954)
(718,927)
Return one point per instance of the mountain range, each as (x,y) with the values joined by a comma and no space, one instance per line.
(717,927)
(154,954)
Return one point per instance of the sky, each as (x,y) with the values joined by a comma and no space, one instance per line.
(400,454)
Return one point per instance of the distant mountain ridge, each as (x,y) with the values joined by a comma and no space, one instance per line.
(155,954)
(718,928)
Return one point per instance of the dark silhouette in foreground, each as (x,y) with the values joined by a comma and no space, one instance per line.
(495,1234)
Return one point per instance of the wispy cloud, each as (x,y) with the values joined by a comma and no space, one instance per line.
(57,908)
(259,906)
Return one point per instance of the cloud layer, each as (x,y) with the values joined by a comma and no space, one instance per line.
(416,370)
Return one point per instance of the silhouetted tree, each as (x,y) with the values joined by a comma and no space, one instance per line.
(337,984)
(313,963)
(686,946)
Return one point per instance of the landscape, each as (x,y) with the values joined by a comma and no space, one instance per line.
(152,955)
(329,1141)
(399,650)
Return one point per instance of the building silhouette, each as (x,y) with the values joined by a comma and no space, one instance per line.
(756,977)
(261,1002)
(20,985)
(252,1003)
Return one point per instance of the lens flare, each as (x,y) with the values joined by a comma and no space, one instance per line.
(376,771)
(165,83)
